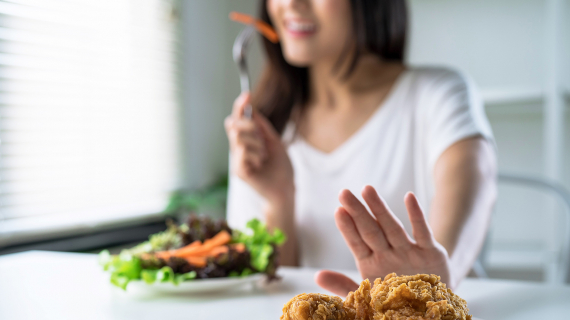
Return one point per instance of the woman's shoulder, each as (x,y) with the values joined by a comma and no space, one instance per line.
(436,84)
(437,76)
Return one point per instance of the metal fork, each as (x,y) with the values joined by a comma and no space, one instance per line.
(239,50)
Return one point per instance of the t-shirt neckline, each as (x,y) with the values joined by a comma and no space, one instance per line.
(352,141)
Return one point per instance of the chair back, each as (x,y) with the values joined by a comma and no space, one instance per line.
(562,270)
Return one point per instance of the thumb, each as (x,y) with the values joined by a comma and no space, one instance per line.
(239,104)
(335,282)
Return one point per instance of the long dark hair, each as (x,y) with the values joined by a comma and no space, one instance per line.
(380,28)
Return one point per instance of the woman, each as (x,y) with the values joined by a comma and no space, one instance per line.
(337,109)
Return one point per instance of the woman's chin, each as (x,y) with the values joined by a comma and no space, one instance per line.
(299,60)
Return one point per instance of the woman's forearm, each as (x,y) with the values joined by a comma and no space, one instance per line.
(281,214)
(470,242)
(465,179)
(464,237)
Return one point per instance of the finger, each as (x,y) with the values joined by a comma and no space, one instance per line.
(266,128)
(253,159)
(392,227)
(242,125)
(367,227)
(246,141)
(228,123)
(249,142)
(244,132)
(420,228)
(335,282)
(239,105)
(242,151)
(246,125)
(350,234)
(246,160)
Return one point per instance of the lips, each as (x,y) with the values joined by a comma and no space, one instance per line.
(300,28)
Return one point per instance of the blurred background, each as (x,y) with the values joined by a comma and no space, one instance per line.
(108,106)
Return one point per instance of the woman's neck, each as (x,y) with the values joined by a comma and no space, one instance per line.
(330,88)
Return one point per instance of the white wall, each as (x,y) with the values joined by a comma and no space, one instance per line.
(498,42)
(210,83)
(566,48)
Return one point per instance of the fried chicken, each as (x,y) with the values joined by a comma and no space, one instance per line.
(418,297)
(314,306)
(357,303)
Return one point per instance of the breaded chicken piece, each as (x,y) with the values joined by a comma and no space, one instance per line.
(314,306)
(416,297)
(357,303)
(419,297)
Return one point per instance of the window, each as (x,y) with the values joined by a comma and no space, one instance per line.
(88,113)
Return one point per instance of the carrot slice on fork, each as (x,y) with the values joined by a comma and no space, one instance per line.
(265,29)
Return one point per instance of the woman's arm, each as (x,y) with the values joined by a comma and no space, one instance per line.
(381,245)
(281,215)
(465,193)
(259,158)
(465,177)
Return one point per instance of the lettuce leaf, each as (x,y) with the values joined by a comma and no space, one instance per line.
(149,276)
(260,242)
(125,268)
(185,276)
(165,274)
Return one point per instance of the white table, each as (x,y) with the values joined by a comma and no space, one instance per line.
(48,285)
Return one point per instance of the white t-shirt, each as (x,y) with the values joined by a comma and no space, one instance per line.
(427,111)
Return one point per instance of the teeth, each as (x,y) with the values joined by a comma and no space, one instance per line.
(300,26)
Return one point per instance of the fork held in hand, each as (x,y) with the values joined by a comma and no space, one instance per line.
(239,52)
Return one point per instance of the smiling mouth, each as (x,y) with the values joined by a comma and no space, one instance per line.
(300,28)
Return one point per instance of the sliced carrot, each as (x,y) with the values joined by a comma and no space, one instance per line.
(199,262)
(219,250)
(196,253)
(184,249)
(239,247)
(265,29)
(241,17)
(223,237)
(165,255)
(199,251)
(170,253)
(196,248)
(210,253)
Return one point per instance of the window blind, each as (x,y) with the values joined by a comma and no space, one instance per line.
(88,109)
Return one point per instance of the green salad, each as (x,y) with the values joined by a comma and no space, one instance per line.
(201,248)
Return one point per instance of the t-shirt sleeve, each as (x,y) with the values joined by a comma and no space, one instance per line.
(453,111)
(244,203)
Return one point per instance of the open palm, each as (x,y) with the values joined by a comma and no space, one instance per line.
(380,244)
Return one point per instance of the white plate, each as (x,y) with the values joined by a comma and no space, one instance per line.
(195,286)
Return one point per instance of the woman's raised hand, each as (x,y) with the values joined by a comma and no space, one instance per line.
(380,244)
(258,155)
